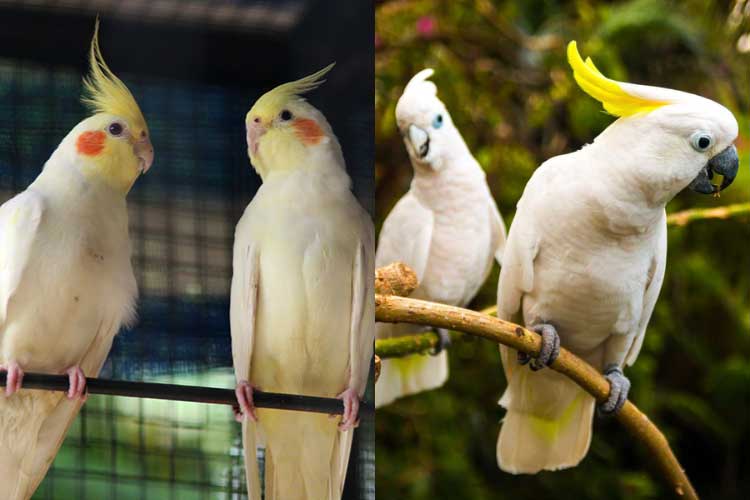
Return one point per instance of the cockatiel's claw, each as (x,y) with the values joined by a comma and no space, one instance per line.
(244,393)
(350,419)
(619,386)
(444,341)
(549,351)
(14,378)
(77,380)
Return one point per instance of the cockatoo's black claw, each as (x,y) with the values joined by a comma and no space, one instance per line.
(550,346)
(444,340)
(619,386)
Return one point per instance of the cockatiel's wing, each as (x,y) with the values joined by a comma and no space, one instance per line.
(406,235)
(498,232)
(19,221)
(363,309)
(244,304)
(656,278)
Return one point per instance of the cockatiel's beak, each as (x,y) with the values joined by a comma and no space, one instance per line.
(144,150)
(725,163)
(255,130)
(419,139)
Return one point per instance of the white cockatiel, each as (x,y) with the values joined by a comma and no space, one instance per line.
(302,306)
(586,255)
(447,228)
(66,282)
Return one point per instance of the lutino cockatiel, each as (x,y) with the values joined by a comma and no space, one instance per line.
(66,283)
(302,306)
(447,228)
(586,255)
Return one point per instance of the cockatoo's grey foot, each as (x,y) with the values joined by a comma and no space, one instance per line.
(14,378)
(77,383)
(619,386)
(350,419)
(444,340)
(244,393)
(549,351)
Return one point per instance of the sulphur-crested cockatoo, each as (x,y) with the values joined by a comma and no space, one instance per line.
(66,283)
(302,306)
(586,254)
(447,228)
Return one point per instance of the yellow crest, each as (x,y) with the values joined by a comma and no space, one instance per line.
(610,93)
(105,92)
(277,98)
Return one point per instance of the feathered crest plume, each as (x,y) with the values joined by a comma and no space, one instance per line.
(104,92)
(612,94)
(419,82)
(278,96)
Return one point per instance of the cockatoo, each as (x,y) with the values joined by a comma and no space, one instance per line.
(66,282)
(302,305)
(586,255)
(447,228)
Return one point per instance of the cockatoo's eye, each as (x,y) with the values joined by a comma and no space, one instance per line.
(285,115)
(115,129)
(437,122)
(701,141)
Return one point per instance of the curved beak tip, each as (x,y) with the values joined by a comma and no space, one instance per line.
(725,164)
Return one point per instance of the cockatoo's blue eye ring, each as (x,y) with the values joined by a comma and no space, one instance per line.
(437,122)
(701,141)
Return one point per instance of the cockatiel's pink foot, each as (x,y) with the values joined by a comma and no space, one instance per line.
(244,393)
(77,383)
(350,419)
(14,379)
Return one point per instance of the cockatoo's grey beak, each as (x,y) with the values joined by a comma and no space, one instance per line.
(725,163)
(420,141)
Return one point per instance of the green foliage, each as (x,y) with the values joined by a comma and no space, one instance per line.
(500,68)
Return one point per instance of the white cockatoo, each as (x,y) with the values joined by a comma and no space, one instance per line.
(586,255)
(66,282)
(302,306)
(447,228)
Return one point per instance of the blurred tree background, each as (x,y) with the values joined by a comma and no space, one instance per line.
(500,68)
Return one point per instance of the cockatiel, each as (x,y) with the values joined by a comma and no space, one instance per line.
(447,228)
(66,282)
(586,255)
(302,305)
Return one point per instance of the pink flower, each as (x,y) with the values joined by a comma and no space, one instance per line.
(426,26)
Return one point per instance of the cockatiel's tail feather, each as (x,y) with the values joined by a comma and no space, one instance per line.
(106,93)
(613,95)
(548,423)
(275,98)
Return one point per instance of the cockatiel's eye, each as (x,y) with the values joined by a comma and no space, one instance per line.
(285,115)
(701,141)
(115,129)
(437,122)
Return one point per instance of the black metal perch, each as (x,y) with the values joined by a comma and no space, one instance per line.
(190,393)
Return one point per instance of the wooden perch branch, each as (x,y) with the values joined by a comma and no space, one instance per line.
(392,309)
(395,279)
(724,212)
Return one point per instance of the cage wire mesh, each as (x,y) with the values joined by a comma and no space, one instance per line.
(182,217)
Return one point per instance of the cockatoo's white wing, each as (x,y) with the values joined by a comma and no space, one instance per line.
(19,221)
(406,235)
(656,278)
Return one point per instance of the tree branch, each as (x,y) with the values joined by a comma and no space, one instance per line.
(392,309)
(693,214)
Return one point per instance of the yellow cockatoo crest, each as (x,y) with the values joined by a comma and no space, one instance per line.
(106,93)
(610,93)
(274,99)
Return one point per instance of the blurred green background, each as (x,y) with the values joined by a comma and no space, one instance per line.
(500,69)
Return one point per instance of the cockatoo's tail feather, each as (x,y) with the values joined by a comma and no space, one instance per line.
(276,97)
(106,93)
(612,94)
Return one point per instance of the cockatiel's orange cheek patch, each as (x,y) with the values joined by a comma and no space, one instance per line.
(91,143)
(308,131)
